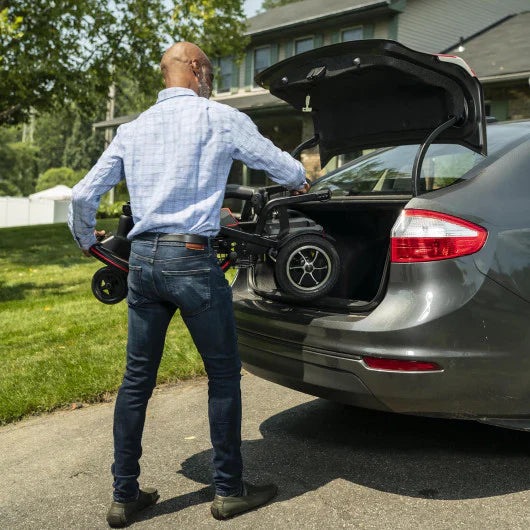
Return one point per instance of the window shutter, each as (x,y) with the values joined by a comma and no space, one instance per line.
(289,46)
(393,28)
(235,77)
(274,53)
(248,70)
(335,37)
(368,31)
(317,41)
(216,63)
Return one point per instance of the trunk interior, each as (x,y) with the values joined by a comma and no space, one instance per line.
(361,229)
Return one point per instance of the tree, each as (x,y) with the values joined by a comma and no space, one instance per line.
(83,146)
(72,50)
(18,164)
(271,4)
(19,169)
(59,175)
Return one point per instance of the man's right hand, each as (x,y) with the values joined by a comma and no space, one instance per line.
(305,189)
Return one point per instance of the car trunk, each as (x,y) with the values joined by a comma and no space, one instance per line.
(366,94)
(361,232)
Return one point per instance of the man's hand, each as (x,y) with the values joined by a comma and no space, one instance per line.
(305,189)
(99,234)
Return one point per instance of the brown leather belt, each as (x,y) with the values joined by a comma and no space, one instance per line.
(185,238)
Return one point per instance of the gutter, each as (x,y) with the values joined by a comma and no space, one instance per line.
(504,77)
(120,120)
(480,32)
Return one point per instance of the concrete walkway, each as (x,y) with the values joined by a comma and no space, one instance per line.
(336,466)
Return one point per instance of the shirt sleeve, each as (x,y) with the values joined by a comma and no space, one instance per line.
(258,152)
(86,194)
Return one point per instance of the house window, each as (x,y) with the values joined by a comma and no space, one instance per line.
(225,74)
(352,34)
(262,59)
(303,45)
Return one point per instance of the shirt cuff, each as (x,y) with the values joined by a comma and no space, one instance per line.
(86,243)
(299,187)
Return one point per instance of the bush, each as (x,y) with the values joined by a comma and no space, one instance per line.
(109,210)
(59,175)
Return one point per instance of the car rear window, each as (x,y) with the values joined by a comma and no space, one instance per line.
(388,171)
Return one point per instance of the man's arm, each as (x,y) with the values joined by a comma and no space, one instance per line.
(258,152)
(86,194)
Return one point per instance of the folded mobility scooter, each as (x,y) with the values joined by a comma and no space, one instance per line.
(306,266)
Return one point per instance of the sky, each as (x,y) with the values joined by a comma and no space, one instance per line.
(251,6)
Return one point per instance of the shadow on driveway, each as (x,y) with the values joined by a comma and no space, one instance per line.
(305,447)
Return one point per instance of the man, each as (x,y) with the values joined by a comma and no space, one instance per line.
(176,157)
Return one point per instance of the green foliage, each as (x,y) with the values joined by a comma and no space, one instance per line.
(8,189)
(9,28)
(25,169)
(18,165)
(59,175)
(52,52)
(107,211)
(52,131)
(83,147)
(271,4)
(217,26)
(63,138)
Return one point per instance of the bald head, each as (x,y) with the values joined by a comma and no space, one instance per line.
(185,65)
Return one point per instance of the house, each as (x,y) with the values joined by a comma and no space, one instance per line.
(500,56)
(426,25)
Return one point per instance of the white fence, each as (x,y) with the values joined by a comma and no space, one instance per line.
(21,211)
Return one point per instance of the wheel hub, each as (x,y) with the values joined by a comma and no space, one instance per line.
(308,267)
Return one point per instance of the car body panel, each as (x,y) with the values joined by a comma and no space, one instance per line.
(375,93)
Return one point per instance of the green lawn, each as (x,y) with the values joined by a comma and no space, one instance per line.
(58,344)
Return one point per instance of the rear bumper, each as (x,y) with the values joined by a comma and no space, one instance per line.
(481,346)
(307,372)
(454,392)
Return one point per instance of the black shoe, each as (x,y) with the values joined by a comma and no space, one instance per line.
(120,513)
(253,496)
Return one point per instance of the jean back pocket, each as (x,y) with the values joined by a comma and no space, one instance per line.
(189,290)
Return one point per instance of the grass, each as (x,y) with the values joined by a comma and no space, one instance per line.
(58,344)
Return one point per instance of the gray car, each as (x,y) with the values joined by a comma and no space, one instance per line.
(431,314)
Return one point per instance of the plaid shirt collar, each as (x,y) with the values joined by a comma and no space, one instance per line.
(173,92)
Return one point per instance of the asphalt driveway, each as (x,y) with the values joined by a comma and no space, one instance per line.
(336,466)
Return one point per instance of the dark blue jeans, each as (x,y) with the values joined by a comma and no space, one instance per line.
(164,276)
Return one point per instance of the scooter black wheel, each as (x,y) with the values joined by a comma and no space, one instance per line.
(307,267)
(109,285)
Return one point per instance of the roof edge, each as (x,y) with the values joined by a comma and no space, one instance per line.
(120,120)
(362,7)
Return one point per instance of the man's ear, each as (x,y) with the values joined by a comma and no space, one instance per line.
(195,67)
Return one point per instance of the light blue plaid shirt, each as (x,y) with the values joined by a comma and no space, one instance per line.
(176,157)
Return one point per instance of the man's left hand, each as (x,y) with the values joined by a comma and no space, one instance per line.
(98,234)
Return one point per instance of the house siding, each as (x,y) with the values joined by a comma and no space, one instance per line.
(434,25)
(381,29)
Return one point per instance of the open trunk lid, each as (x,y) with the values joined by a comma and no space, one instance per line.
(377,93)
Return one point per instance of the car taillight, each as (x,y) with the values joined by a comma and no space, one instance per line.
(400,365)
(422,235)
